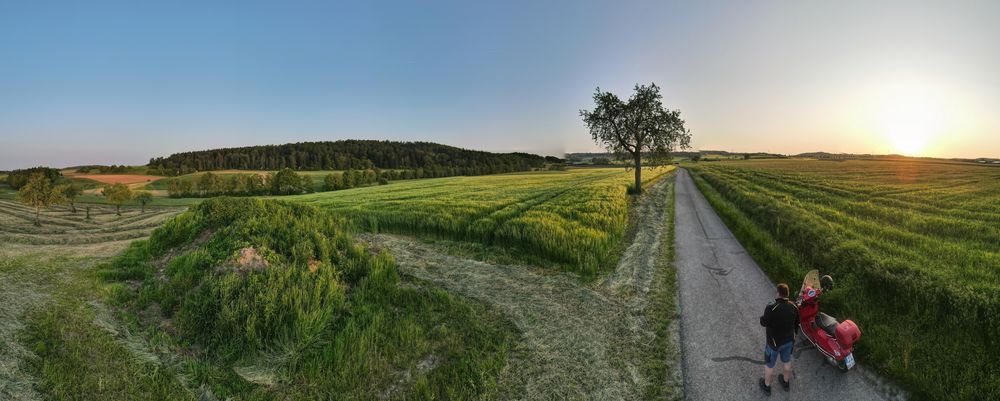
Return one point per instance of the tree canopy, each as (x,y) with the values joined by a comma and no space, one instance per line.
(144,198)
(38,193)
(636,130)
(117,194)
(18,178)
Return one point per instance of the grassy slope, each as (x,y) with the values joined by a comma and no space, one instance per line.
(887,233)
(323,319)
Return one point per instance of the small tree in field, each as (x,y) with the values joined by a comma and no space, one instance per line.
(37,192)
(143,197)
(68,194)
(117,194)
(638,128)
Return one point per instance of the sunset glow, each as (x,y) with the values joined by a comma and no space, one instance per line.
(910,121)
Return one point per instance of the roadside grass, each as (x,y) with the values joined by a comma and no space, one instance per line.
(663,363)
(913,248)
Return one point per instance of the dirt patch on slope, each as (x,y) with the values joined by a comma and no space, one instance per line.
(579,341)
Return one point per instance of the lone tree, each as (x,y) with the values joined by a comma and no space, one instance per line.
(117,194)
(638,128)
(143,197)
(37,192)
(68,194)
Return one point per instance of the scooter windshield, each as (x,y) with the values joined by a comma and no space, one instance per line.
(811,280)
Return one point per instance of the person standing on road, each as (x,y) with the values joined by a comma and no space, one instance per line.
(781,318)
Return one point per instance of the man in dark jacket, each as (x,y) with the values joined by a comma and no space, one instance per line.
(781,318)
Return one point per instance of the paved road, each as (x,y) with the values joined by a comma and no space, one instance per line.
(722,293)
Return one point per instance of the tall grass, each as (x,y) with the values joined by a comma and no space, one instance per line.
(574,218)
(915,248)
(280,294)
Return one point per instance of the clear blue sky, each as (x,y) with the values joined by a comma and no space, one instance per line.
(119,82)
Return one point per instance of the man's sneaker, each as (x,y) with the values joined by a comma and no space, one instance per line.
(766,388)
(784,384)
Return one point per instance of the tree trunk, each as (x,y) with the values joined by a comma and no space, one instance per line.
(143,207)
(118,210)
(38,222)
(73,207)
(638,173)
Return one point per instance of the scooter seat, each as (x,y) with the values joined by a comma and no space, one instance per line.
(827,323)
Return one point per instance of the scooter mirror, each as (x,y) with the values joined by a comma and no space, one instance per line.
(826,282)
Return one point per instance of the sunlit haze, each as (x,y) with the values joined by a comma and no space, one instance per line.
(120,82)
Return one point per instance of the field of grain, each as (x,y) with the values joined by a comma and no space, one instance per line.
(914,247)
(575,218)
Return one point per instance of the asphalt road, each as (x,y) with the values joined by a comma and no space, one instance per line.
(722,293)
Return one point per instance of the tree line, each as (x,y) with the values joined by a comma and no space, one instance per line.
(18,178)
(283,182)
(349,154)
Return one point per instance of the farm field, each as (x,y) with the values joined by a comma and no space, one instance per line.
(573,218)
(167,319)
(47,290)
(81,320)
(913,246)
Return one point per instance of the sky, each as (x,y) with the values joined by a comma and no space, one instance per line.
(119,82)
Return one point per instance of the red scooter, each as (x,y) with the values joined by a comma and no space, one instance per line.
(834,339)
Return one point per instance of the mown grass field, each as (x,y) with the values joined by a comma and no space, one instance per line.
(573,218)
(181,317)
(55,341)
(60,226)
(913,246)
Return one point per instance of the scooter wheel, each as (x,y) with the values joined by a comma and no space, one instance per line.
(842,367)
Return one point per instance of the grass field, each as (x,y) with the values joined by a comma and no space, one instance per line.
(174,317)
(55,342)
(260,299)
(573,218)
(913,246)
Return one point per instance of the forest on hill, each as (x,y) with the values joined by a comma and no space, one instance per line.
(443,160)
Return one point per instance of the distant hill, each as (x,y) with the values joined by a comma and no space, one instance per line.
(439,160)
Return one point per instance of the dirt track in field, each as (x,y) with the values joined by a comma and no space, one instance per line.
(579,341)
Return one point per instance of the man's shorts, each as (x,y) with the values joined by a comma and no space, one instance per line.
(771,355)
